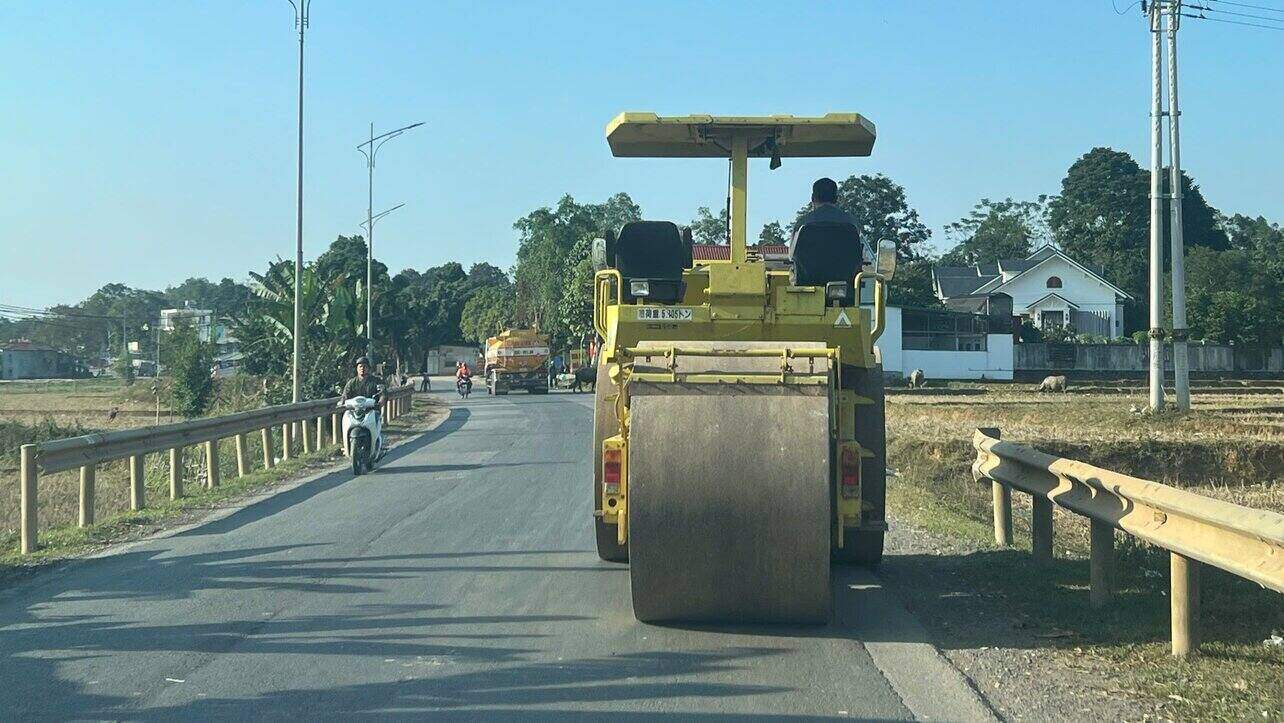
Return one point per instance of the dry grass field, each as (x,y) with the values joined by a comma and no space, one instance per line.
(32,411)
(1230,446)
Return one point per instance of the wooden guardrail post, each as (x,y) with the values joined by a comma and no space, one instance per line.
(307,438)
(212,471)
(1002,498)
(30,476)
(88,481)
(137,476)
(1041,529)
(286,453)
(175,473)
(1183,591)
(1101,563)
(267,448)
(242,461)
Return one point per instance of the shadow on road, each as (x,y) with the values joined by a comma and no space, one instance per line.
(615,681)
(284,500)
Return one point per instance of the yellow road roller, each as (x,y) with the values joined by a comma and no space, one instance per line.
(738,426)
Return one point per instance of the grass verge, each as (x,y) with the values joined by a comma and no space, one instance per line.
(1013,602)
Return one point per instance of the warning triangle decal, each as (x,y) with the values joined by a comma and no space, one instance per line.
(842,322)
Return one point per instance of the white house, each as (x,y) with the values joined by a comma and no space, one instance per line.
(1048,287)
(946,344)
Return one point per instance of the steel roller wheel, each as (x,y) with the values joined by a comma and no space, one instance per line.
(729,506)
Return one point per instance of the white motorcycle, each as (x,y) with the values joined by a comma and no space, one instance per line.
(363,428)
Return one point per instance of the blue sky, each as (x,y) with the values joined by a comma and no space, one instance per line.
(147,142)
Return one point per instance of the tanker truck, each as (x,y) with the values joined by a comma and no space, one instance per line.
(517,359)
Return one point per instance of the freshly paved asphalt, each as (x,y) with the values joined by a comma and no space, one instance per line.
(457,581)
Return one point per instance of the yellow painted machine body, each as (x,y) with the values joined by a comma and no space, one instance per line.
(736,333)
(517,359)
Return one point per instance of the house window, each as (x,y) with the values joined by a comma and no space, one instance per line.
(1054,282)
(1049,319)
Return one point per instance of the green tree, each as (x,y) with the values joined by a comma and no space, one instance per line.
(709,229)
(882,213)
(487,313)
(772,234)
(483,274)
(575,310)
(225,298)
(123,368)
(190,364)
(1102,218)
(997,230)
(1233,297)
(912,285)
(330,335)
(546,238)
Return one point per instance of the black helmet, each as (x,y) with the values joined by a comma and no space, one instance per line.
(362,360)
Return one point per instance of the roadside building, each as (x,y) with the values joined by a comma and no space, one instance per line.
(1048,287)
(24,360)
(444,359)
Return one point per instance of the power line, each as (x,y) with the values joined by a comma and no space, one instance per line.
(1203,8)
(1232,22)
(1248,5)
(48,312)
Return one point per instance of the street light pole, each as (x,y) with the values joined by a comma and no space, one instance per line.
(370,150)
(301,8)
(371,220)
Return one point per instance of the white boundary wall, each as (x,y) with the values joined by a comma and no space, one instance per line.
(994,363)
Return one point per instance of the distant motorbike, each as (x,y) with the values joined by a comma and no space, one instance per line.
(363,428)
(464,387)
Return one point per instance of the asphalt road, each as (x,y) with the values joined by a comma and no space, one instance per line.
(458,581)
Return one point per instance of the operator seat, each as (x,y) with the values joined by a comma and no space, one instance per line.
(654,252)
(824,252)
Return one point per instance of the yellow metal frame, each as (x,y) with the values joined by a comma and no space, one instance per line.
(601,295)
(615,505)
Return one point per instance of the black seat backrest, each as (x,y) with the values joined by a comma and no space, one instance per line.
(825,251)
(652,250)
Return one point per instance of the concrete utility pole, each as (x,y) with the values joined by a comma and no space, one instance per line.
(1156,215)
(1181,369)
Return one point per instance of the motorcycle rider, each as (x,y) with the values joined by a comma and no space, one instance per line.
(463,375)
(364,384)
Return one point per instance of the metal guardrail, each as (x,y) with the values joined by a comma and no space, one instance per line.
(303,428)
(1194,529)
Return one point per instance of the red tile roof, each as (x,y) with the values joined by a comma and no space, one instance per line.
(722,252)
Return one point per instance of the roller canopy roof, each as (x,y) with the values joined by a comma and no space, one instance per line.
(646,135)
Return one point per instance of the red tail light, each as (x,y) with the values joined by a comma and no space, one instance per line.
(849,471)
(611,459)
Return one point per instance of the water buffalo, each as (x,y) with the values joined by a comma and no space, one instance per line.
(1053,384)
(585,375)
